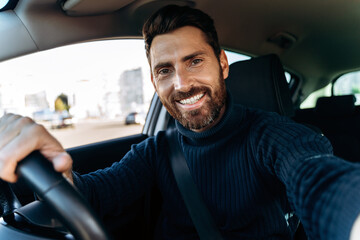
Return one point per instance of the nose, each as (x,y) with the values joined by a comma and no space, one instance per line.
(183,81)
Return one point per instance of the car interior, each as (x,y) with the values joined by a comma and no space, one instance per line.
(314,42)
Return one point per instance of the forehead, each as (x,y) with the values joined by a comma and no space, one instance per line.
(177,44)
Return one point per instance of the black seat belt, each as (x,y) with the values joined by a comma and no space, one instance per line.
(200,215)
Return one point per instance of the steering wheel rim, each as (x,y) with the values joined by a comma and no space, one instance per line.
(65,201)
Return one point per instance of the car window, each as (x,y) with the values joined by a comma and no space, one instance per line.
(3,3)
(235,57)
(346,84)
(310,101)
(81,93)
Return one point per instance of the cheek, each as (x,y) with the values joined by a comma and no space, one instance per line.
(164,89)
(209,78)
(210,72)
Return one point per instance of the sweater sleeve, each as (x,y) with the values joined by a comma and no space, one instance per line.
(322,189)
(111,189)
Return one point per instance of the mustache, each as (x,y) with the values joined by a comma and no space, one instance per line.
(179,95)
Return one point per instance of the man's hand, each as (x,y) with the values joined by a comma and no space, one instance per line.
(19,136)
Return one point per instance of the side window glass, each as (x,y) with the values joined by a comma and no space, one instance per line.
(235,57)
(3,3)
(310,101)
(348,84)
(288,77)
(81,93)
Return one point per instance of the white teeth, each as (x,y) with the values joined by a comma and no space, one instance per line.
(192,100)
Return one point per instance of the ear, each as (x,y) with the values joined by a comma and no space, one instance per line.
(224,64)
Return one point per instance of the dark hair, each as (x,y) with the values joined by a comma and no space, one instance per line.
(172,17)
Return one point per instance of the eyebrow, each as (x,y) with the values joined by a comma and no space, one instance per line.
(161,65)
(188,57)
(184,59)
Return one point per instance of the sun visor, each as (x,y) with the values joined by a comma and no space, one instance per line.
(92,7)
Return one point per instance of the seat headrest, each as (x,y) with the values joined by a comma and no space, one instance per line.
(335,106)
(260,83)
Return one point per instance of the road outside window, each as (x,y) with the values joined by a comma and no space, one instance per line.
(81,93)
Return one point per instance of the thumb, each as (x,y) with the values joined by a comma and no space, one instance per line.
(62,162)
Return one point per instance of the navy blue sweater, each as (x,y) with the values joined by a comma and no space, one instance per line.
(251,168)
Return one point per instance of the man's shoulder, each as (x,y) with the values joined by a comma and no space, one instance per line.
(259,121)
(152,142)
(258,116)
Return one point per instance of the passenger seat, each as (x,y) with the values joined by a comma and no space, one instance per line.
(260,83)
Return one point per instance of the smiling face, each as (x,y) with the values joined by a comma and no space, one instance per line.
(189,78)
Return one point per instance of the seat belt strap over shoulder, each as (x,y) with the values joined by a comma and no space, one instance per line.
(200,215)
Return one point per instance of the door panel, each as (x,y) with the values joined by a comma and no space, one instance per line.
(95,156)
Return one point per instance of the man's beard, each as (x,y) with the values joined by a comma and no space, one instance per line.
(192,119)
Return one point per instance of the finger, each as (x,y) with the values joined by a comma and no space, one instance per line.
(9,117)
(53,151)
(32,137)
(6,120)
(29,139)
(13,128)
(62,162)
(12,153)
(7,170)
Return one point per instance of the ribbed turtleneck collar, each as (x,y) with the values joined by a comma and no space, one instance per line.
(223,128)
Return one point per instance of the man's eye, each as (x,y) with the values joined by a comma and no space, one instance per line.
(164,71)
(196,61)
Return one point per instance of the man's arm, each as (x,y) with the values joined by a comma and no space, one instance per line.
(19,136)
(111,189)
(323,189)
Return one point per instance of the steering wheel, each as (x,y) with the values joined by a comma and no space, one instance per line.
(59,195)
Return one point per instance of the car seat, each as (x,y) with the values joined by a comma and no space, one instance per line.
(260,83)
